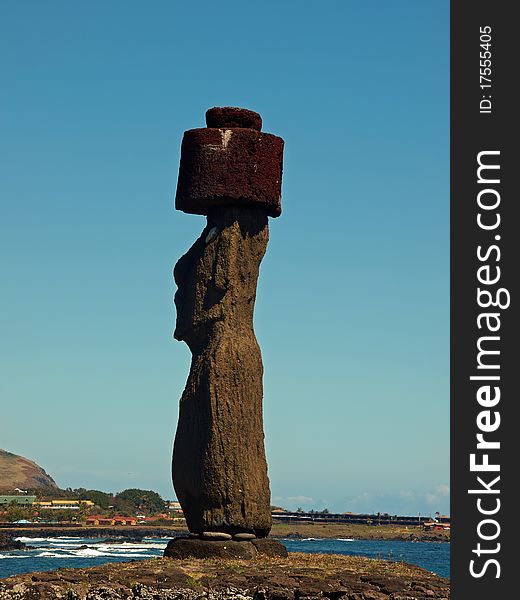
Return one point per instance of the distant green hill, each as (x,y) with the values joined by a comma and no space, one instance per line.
(19,472)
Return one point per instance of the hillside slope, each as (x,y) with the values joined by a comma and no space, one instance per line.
(19,472)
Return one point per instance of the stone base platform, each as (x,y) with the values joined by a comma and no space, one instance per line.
(182,548)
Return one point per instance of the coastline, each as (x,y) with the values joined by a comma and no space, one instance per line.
(358,532)
(263,578)
(278,531)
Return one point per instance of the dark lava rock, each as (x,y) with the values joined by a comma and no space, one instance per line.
(118,533)
(297,577)
(270,547)
(230,116)
(124,539)
(191,548)
(7,542)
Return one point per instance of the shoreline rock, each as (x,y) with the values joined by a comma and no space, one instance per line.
(263,578)
(131,533)
(7,542)
(137,533)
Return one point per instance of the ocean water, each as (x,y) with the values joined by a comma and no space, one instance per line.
(54,553)
(432,556)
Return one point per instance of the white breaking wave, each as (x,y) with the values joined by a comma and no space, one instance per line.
(120,551)
(69,548)
(54,555)
(345,540)
(90,552)
(64,545)
(129,546)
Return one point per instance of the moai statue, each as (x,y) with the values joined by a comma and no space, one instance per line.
(231,172)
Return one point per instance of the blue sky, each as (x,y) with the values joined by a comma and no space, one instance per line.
(353,303)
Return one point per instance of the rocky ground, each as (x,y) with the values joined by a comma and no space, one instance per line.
(300,576)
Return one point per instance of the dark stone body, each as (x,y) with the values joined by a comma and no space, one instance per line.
(219,464)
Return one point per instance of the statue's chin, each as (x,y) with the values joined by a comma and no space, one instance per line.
(186,333)
(179,334)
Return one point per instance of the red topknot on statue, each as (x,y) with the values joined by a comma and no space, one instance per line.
(230,162)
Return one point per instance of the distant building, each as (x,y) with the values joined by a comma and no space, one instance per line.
(64,504)
(101,520)
(125,521)
(19,500)
(436,526)
(157,517)
(359,519)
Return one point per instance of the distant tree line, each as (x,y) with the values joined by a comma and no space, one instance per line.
(129,502)
(325,511)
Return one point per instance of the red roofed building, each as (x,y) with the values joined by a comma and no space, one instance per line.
(99,520)
(125,520)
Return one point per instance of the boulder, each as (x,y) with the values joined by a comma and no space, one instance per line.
(7,542)
(244,537)
(270,547)
(181,548)
(215,535)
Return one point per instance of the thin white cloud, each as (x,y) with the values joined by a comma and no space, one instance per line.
(403,502)
(290,502)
